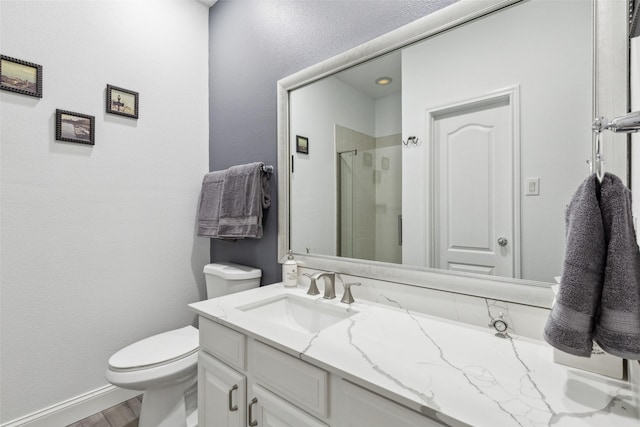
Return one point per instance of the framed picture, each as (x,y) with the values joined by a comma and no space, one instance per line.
(75,127)
(20,76)
(122,101)
(302,144)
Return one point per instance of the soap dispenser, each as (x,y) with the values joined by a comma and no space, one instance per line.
(290,272)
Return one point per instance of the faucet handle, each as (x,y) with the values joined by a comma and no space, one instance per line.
(347,298)
(313,287)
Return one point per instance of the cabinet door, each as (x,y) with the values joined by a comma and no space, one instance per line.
(268,410)
(362,408)
(221,394)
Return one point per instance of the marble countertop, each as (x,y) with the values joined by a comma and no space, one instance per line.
(456,373)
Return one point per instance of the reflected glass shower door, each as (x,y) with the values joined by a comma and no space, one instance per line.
(369,186)
(357,199)
(345,203)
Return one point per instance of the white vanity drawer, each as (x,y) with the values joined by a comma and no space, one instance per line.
(224,343)
(362,408)
(295,380)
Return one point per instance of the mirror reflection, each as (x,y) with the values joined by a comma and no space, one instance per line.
(459,152)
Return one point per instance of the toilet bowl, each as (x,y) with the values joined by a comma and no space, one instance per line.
(164,366)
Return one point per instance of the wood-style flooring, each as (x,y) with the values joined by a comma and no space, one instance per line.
(123,415)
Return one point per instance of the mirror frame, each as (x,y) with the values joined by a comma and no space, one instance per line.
(610,99)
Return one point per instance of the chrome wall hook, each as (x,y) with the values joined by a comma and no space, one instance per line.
(411,140)
(629,123)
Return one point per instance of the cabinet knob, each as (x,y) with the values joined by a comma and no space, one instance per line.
(252,422)
(502,241)
(232,407)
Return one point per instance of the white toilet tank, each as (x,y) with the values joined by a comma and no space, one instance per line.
(226,278)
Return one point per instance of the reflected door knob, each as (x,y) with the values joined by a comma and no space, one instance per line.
(502,241)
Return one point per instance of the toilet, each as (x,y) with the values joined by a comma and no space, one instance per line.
(165,366)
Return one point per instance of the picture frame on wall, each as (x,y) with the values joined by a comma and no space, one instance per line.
(302,144)
(75,127)
(20,76)
(122,102)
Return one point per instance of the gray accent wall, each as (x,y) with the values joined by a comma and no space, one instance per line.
(252,45)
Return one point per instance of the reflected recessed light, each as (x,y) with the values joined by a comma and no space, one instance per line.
(383,81)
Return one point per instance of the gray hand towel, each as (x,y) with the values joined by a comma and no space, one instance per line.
(245,193)
(571,322)
(209,208)
(618,326)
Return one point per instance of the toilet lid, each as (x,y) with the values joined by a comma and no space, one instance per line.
(157,350)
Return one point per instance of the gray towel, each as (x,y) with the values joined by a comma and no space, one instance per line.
(572,320)
(209,208)
(618,327)
(245,193)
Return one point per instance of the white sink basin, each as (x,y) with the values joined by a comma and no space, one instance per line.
(301,314)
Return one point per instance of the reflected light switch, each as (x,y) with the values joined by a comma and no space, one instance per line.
(532,186)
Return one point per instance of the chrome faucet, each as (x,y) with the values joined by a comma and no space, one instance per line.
(313,288)
(347,298)
(329,285)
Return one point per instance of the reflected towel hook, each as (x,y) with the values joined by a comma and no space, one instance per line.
(628,123)
(596,164)
(412,139)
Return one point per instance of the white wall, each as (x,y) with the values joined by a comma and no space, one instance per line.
(547,52)
(98,243)
(388,115)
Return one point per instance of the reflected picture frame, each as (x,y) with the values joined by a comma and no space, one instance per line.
(122,102)
(302,144)
(75,127)
(20,76)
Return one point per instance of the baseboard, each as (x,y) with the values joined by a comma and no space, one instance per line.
(72,410)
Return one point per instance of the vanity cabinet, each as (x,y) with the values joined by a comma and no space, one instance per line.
(244,382)
(267,388)
(222,400)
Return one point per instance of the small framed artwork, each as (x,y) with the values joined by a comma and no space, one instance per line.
(122,102)
(20,76)
(302,144)
(75,127)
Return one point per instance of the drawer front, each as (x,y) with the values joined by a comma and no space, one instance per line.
(224,343)
(296,381)
(362,408)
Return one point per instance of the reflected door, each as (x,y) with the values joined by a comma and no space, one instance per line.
(473,221)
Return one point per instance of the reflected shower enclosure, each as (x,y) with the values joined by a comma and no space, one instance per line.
(369,196)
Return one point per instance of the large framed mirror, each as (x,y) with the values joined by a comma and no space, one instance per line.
(443,154)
